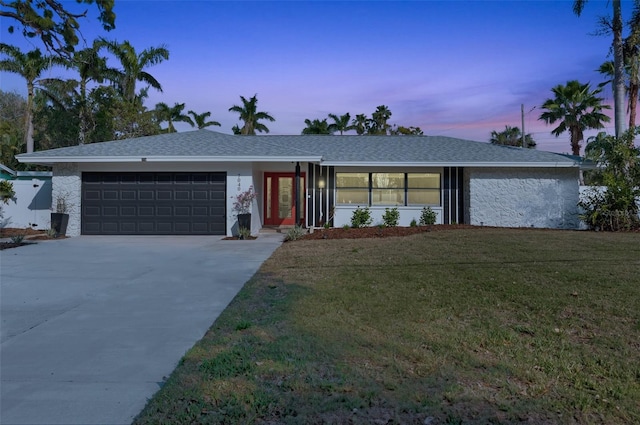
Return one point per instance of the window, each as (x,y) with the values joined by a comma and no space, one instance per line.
(352,188)
(388,188)
(423,189)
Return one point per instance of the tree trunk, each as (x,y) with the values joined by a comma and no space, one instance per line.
(633,103)
(28,135)
(618,64)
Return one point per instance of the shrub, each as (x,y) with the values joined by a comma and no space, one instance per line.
(391,217)
(17,238)
(614,207)
(294,233)
(427,217)
(6,191)
(244,233)
(414,223)
(361,217)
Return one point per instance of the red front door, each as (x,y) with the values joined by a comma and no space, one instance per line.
(280,198)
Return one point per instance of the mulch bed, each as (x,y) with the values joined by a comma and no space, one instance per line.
(29,234)
(379,232)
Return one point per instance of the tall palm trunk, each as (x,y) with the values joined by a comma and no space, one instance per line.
(633,103)
(618,64)
(28,118)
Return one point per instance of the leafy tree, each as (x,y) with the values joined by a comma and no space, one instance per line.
(615,207)
(30,66)
(56,115)
(200,120)
(53,21)
(171,115)
(618,60)
(379,120)
(399,130)
(13,108)
(575,108)
(316,127)
(250,116)
(511,136)
(134,65)
(340,123)
(361,124)
(91,67)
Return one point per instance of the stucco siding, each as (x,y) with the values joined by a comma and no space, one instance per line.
(67,184)
(522,197)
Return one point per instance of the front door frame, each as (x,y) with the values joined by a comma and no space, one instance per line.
(274,220)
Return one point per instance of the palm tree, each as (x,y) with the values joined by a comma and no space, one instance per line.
(340,123)
(134,64)
(361,124)
(250,116)
(200,120)
(576,108)
(29,66)
(511,136)
(316,127)
(379,120)
(91,67)
(618,60)
(172,114)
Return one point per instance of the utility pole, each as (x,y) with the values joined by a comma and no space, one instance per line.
(524,142)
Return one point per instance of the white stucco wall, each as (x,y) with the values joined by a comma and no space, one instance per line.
(522,197)
(67,184)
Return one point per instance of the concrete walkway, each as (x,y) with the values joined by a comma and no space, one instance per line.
(90,326)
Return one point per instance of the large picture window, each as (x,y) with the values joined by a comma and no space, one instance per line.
(423,189)
(388,188)
(352,188)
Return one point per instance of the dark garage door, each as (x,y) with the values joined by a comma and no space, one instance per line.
(153,203)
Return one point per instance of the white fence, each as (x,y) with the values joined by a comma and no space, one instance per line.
(31,205)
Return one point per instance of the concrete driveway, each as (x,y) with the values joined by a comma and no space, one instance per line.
(90,326)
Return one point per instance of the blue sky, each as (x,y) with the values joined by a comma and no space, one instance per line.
(453,68)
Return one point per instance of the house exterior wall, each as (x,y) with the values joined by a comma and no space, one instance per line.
(449,210)
(67,185)
(67,180)
(522,197)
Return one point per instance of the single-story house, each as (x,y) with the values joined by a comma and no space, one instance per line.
(185,183)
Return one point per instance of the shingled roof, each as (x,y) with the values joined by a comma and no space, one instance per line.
(205,145)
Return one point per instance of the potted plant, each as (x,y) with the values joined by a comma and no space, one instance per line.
(60,216)
(242,208)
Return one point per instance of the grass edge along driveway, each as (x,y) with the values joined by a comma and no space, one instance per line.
(461,326)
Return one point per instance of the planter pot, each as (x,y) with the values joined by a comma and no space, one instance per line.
(244,221)
(59,223)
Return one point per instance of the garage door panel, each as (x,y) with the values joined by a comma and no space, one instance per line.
(153,203)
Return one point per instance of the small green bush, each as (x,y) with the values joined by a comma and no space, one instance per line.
(361,218)
(414,223)
(391,217)
(244,233)
(17,238)
(427,217)
(346,227)
(295,233)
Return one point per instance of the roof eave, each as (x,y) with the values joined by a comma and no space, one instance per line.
(140,158)
(453,164)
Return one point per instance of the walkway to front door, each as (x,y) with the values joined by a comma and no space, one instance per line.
(279,198)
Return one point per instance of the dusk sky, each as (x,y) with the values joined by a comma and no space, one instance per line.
(452,68)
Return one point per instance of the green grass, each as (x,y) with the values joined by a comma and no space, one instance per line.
(464,326)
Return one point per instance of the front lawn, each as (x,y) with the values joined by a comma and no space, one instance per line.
(459,326)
